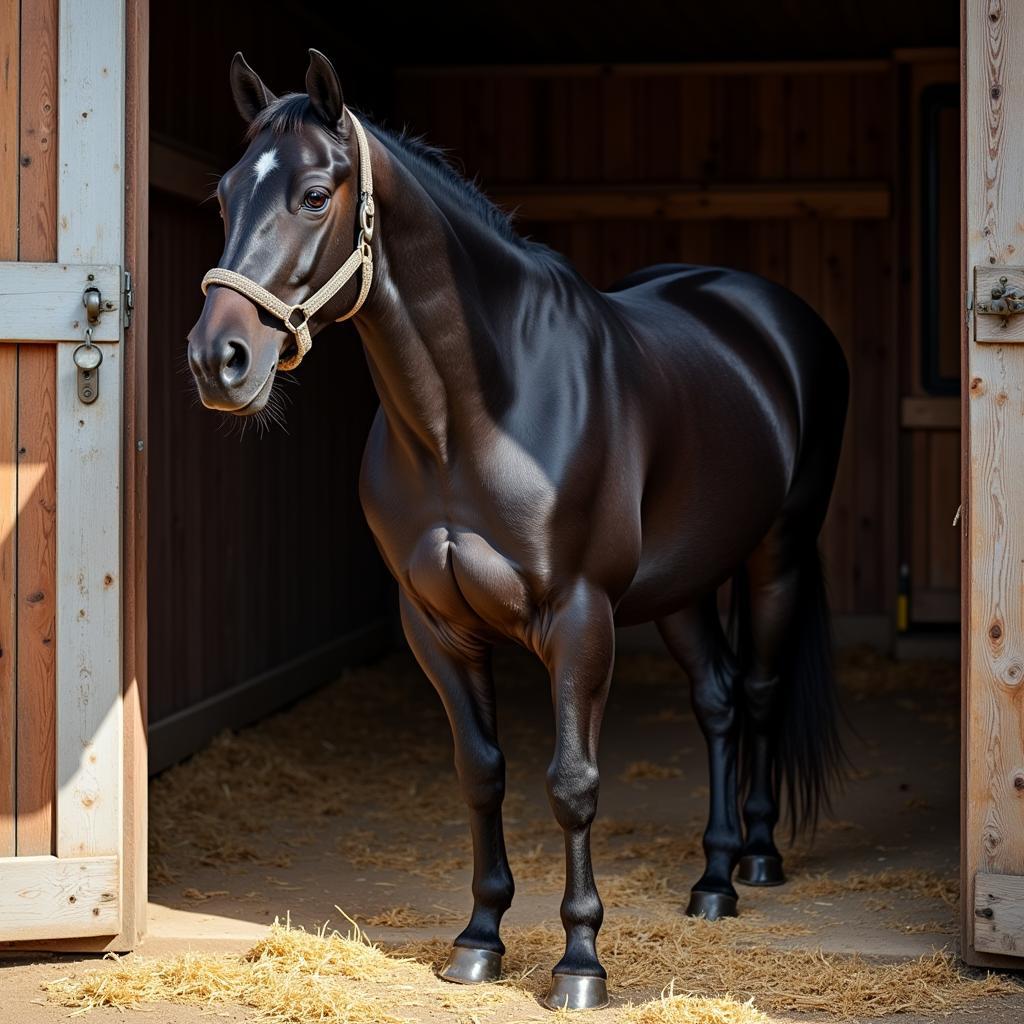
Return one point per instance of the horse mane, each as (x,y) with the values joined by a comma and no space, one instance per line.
(290,112)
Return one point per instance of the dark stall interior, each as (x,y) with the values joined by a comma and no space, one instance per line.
(814,144)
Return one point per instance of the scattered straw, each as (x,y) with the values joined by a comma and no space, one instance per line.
(914,883)
(671,1008)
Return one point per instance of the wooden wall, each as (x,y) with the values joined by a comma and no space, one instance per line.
(263,578)
(587,141)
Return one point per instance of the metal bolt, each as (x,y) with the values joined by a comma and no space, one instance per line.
(139,445)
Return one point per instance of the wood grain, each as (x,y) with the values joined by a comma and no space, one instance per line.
(50,898)
(8,599)
(38,185)
(999,914)
(37,597)
(9,95)
(42,302)
(993,105)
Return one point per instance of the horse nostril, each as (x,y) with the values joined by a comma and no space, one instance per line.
(234,363)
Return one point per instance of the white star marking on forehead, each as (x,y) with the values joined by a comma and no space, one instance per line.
(264,165)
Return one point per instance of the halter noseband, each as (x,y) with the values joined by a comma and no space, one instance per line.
(362,257)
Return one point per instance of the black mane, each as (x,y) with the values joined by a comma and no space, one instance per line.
(291,111)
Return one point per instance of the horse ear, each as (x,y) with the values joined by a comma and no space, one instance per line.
(324,90)
(251,95)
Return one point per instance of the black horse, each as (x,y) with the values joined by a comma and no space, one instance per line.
(548,462)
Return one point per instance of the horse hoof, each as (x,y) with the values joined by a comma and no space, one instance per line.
(760,869)
(471,966)
(711,905)
(576,992)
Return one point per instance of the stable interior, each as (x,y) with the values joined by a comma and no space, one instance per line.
(818,146)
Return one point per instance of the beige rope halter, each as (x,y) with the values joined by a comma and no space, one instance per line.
(362,257)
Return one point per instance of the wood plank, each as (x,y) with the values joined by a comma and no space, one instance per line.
(90,188)
(38,182)
(999,910)
(135,458)
(9,95)
(89,740)
(51,898)
(8,599)
(42,302)
(810,200)
(37,597)
(993,746)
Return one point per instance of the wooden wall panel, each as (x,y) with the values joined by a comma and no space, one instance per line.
(718,128)
(36,379)
(9,97)
(37,545)
(258,548)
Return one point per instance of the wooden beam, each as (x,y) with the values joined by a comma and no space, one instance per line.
(803,201)
(718,68)
(51,898)
(43,301)
(90,207)
(929,413)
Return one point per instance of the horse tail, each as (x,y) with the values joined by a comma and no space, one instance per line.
(809,753)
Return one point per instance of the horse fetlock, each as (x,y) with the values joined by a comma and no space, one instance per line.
(495,890)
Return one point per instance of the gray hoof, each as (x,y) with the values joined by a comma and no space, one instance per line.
(760,869)
(712,905)
(471,966)
(576,992)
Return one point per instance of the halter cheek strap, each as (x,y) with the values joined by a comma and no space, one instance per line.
(296,318)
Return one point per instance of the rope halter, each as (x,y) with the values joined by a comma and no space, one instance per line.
(296,318)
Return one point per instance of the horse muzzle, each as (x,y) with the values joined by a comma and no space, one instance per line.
(233,355)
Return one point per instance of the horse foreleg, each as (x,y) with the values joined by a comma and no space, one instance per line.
(694,637)
(461,673)
(578,649)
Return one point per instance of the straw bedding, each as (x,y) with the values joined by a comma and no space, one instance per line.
(298,780)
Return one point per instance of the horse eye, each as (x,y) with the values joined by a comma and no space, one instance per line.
(315,199)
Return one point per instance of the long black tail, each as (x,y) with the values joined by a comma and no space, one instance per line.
(809,753)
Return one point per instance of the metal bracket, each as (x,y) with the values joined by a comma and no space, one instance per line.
(1007,300)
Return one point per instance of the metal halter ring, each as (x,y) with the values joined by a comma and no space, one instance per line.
(293,327)
(366,217)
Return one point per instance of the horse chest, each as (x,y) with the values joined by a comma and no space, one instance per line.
(461,577)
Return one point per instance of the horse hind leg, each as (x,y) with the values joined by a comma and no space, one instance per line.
(695,639)
(773,590)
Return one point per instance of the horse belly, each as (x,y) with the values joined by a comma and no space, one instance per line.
(461,577)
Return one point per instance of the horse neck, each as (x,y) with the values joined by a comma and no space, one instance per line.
(438,355)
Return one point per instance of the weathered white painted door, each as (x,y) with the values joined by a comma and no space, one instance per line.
(62,717)
(993,483)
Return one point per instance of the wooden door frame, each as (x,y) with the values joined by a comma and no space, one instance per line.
(992,523)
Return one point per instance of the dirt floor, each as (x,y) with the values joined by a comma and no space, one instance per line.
(347,802)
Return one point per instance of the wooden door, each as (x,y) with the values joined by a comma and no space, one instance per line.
(993,485)
(71,740)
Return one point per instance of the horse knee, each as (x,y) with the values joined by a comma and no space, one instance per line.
(573,793)
(482,778)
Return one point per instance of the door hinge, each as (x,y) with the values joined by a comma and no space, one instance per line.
(129,299)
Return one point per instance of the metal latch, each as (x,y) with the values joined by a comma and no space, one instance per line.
(129,299)
(88,356)
(1007,300)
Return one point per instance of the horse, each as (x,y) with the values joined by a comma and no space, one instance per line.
(549,462)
